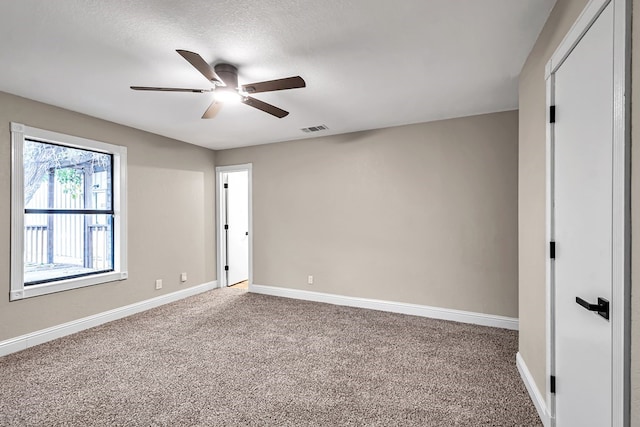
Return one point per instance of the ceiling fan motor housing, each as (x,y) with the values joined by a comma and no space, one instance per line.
(229,75)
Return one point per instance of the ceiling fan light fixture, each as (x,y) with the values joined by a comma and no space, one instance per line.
(227,95)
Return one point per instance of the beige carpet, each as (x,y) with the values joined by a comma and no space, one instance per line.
(229,358)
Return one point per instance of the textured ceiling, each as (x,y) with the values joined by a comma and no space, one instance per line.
(367,63)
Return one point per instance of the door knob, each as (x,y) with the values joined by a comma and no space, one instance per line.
(602,307)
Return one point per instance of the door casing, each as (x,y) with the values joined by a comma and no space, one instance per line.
(220,242)
(621,232)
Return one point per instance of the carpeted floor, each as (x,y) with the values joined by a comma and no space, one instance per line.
(229,358)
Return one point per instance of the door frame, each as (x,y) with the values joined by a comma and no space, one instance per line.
(621,229)
(220,243)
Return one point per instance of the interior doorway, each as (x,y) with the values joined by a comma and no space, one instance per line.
(588,221)
(234,225)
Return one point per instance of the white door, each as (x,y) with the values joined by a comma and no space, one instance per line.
(238,222)
(583,188)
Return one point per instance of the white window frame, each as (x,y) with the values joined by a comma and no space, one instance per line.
(19,133)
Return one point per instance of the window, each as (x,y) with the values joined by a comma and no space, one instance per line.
(68,213)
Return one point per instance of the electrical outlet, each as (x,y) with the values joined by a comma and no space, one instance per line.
(159,284)
(310,280)
(183,277)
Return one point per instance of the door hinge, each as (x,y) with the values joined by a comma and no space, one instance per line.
(226,226)
(552,384)
(552,114)
(226,268)
(552,250)
(226,186)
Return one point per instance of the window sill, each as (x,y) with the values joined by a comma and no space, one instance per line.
(65,285)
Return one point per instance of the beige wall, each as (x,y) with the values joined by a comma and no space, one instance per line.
(531,199)
(422,214)
(171,218)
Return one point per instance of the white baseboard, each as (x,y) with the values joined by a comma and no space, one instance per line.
(538,401)
(38,337)
(394,307)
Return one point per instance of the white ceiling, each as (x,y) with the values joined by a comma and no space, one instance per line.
(367,63)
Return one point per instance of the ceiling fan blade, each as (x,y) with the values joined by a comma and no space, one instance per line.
(267,108)
(213,110)
(200,65)
(271,85)
(170,89)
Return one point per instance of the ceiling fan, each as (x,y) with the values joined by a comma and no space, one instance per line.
(226,89)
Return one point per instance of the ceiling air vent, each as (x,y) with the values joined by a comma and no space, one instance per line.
(315,128)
